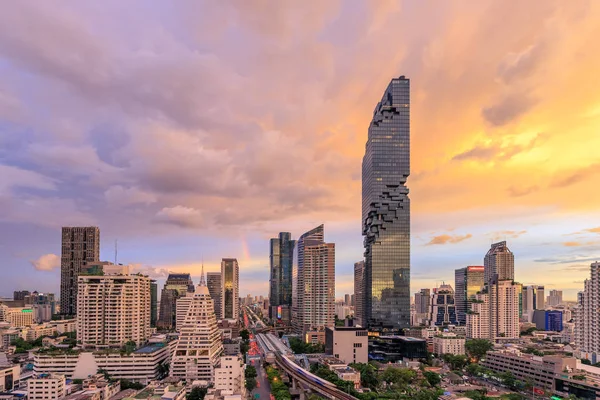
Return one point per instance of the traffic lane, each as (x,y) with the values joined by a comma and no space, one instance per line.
(263,388)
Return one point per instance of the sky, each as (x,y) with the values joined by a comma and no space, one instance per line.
(197,130)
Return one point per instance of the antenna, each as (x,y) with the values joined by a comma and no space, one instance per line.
(116,250)
(202,281)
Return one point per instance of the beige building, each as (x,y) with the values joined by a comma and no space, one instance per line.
(17,317)
(348,374)
(349,344)
(478,318)
(181,308)
(46,387)
(113,308)
(504,309)
(449,343)
(36,331)
(587,322)
(9,377)
(230,375)
(65,325)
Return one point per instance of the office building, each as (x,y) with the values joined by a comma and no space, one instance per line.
(499,261)
(533,299)
(20,294)
(80,246)
(199,345)
(46,387)
(230,288)
(478,317)
(468,282)
(548,320)
(17,317)
(176,286)
(113,308)
(554,298)
(359,279)
(37,331)
(10,376)
(213,282)
(153,303)
(421,307)
(347,301)
(315,263)
(230,375)
(448,343)
(504,309)
(280,289)
(386,210)
(442,311)
(587,321)
(392,348)
(347,343)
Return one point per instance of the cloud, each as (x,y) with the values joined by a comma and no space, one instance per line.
(515,191)
(47,262)
(570,178)
(122,196)
(498,151)
(567,259)
(181,216)
(508,109)
(448,239)
(579,244)
(152,272)
(501,235)
(593,230)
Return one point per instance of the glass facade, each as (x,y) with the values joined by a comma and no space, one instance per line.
(386,211)
(230,278)
(281,260)
(467,282)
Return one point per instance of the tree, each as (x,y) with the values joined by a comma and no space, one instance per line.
(457,362)
(477,348)
(368,375)
(476,394)
(245,335)
(433,378)
(398,378)
(126,384)
(197,393)
(163,369)
(474,369)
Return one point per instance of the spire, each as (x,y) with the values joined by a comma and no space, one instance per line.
(202,280)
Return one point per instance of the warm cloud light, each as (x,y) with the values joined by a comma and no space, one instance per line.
(449,239)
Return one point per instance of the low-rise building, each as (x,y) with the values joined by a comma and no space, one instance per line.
(218,394)
(395,348)
(231,347)
(9,377)
(349,374)
(230,375)
(349,344)
(315,337)
(7,336)
(65,325)
(46,387)
(99,384)
(36,331)
(162,391)
(17,317)
(448,343)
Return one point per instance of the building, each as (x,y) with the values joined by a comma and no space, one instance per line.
(386,210)
(359,280)
(17,317)
(20,294)
(396,348)
(348,374)
(46,387)
(199,345)
(142,365)
(315,336)
(448,343)
(36,331)
(181,309)
(153,303)
(342,311)
(80,246)
(422,307)
(533,299)
(280,284)
(554,298)
(548,320)
(10,376)
(315,270)
(442,310)
(213,282)
(113,308)
(349,344)
(42,313)
(478,317)
(468,281)
(161,391)
(587,323)
(43,304)
(231,347)
(176,286)
(229,328)
(504,309)
(230,375)
(64,325)
(500,261)
(230,288)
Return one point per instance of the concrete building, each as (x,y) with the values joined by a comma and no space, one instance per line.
(176,286)
(422,306)
(504,309)
(161,391)
(230,375)
(315,290)
(499,261)
(587,322)
(554,298)
(349,344)
(548,320)
(80,246)
(64,325)
(36,331)
(230,288)
(213,282)
(448,343)
(10,376)
(342,310)
(359,287)
(181,308)
(199,345)
(468,281)
(533,299)
(442,309)
(46,387)
(478,317)
(113,308)
(17,317)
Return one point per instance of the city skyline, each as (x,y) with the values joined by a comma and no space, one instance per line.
(252,144)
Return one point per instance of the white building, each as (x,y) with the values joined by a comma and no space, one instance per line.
(199,345)
(181,308)
(533,299)
(36,331)
(478,318)
(46,387)
(554,298)
(342,310)
(504,310)
(113,308)
(230,375)
(587,321)
(17,317)
(349,344)
(65,325)
(449,343)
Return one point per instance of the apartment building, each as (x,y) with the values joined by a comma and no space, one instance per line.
(17,317)
(230,375)
(46,387)
(449,343)
(349,344)
(478,317)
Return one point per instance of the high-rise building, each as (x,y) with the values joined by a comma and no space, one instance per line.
(153,303)
(359,280)
(230,288)
(468,282)
(213,281)
(587,321)
(554,298)
(80,246)
(315,266)
(280,288)
(533,299)
(176,286)
(386,210)
(442,309)
(500,261)
(199,345)
(504,309)
(422,301)
(20,294)
(347,300)
(478,318)
(113,308)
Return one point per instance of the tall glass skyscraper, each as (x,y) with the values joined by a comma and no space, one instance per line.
(386,211)
(230,288)
(280,284)
(468,282)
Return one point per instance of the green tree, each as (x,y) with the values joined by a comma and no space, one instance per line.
(476,394)
(245,335)
(477,348)
(368,375)
(433,378)
(398,378)
(126,384)
(197,393)
(474,369)
(457,362)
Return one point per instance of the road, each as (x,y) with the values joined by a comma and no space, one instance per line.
(263,388)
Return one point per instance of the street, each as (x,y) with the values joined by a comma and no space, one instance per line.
(263,388)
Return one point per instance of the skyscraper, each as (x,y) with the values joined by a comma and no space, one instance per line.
(504,309)
(587,321)
(177,285)
(153,303)
(554,298)
(80,245)
(467,282)
(315,266)
(359,277)
(386,210)
(280,288)
(533,299)
(442,309)
(230,288)
(500,261)
(213,281)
